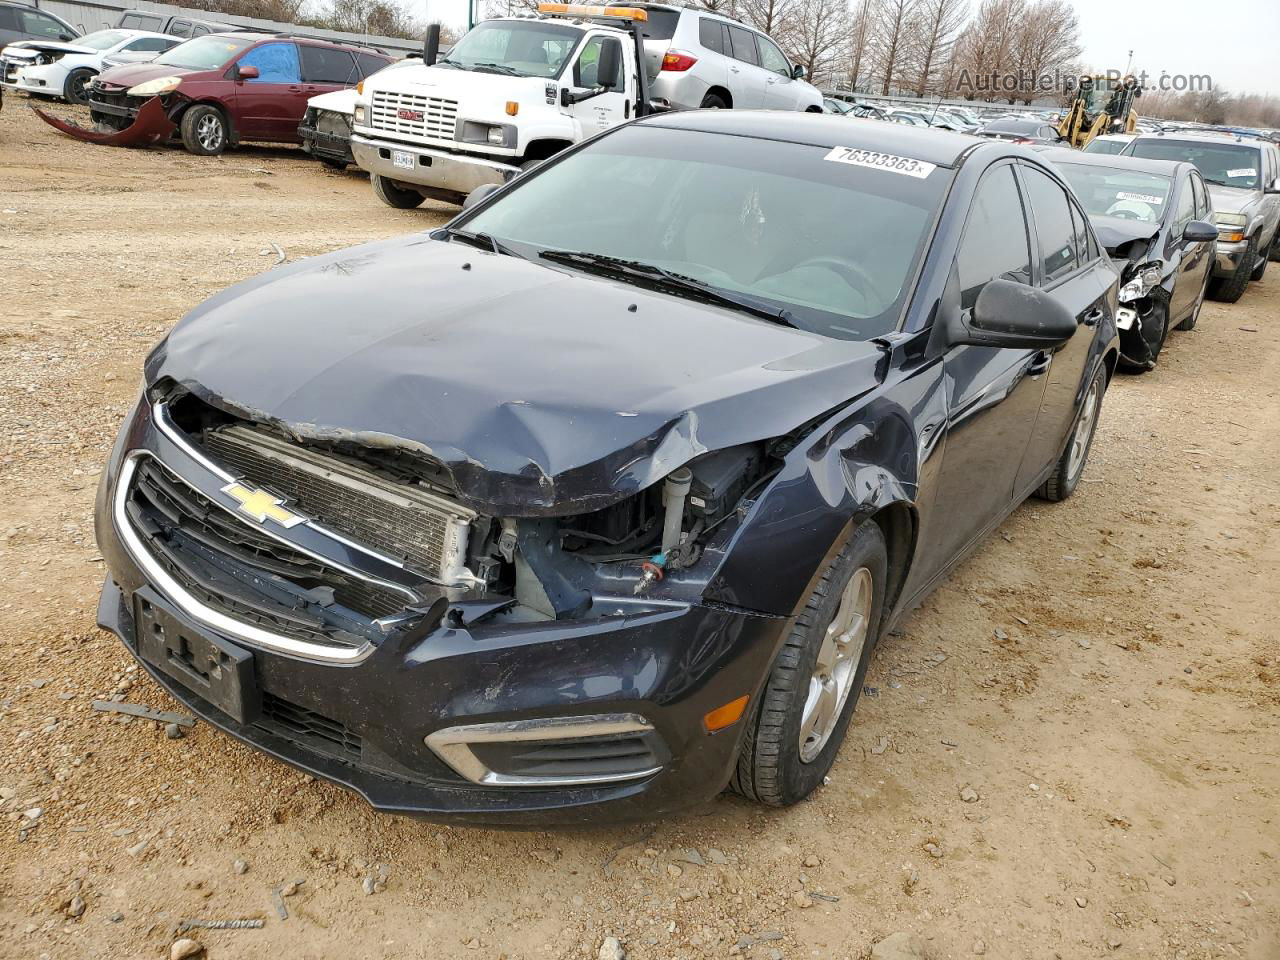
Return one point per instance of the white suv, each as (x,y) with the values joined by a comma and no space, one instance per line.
(700,59)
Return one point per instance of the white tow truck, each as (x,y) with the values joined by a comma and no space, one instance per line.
(511,93)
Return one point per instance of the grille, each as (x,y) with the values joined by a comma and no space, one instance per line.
(418,527)
(618,756)
(236,569)
(308,728)
(410,115)
(333,123)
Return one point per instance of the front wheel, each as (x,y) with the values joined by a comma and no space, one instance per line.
(394,196)
(800,718)
(713,101)
(1070,466)
(204,131)
(1232,288)
(76,88)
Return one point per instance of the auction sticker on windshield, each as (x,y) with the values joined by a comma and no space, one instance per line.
(1140,197)
(907,166)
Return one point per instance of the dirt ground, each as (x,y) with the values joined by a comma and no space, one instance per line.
(1104,673)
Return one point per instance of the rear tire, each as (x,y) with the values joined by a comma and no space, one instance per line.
(786,752)
(204,131)
(1070,466)
(1194,316)
(394,196)
(1232,288)
(713,101)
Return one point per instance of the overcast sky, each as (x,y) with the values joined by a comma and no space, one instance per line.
(1236,42)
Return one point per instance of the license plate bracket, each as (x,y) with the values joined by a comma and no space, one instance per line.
(403,159)
(220,673)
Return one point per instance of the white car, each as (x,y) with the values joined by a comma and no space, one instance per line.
(55,69)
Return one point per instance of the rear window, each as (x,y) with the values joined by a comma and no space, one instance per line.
(661,24)
(1226,164)
(1104,146)
(141,21)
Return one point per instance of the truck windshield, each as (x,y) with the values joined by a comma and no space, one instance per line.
(1225,164)
(829,246)
(1116,192)
(521,48)
(203,53)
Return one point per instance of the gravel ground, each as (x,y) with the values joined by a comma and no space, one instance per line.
(1071,751)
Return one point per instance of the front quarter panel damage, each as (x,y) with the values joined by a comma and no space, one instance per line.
(151,126)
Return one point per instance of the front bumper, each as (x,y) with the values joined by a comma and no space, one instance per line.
(1227,257)
(46,80)
(437,169)
(669,665)
(324,144)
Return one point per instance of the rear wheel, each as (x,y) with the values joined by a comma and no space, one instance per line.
(76,87)
(1190,322)
(1232,288)
(394,196)
(204,131)
(713,101)
(1070,466)
(800,718)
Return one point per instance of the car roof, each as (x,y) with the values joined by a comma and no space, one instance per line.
(1116,161)
(263,37)
(929,144)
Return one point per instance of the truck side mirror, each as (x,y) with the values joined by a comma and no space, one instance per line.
(607,67)
(431,44)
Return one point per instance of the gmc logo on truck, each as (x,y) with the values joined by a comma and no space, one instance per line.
(404,114)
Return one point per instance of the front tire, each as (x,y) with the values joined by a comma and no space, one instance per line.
(394,196)
(1067,471)
(75,89)
(801,716)
(1274,252)
(204,131)
(1232,288)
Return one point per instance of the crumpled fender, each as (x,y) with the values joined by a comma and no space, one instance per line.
(152,125)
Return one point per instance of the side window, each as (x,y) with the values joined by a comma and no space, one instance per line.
(41,26)
(710,36)
(150,43)
(327,65)
(369,64)
(1202,198)
(8,18)
(744,45)
(771,58)
(1185,211)
(1052,211)
(1080,234)
(586,71)
(199,30)
(276,63)
(180,28)
(995,241)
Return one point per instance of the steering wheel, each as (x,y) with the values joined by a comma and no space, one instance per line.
(851,273)
(1124,214)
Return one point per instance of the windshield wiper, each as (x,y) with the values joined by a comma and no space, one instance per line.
(446,62)
(483,241)
(497,68)
(663,279)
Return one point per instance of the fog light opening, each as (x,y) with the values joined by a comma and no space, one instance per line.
(726,715)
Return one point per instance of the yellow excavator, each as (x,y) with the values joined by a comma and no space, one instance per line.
(1101,105)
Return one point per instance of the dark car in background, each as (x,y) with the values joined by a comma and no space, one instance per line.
(1016,130)
(1154,218)
(228,88)
(22,21)
(1243,175)
(597,499)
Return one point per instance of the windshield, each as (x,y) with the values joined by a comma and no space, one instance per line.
(1226,164)
(834,244)
(521,48)
(1022,127)
(1115,192)
(1098,145)
(203,53)
(102,40)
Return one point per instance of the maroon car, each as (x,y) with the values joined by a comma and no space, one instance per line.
(222,89)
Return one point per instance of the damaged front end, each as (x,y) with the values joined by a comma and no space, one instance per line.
(150,125)
(1143,312)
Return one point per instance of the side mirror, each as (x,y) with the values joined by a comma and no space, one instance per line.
(246,73)
(1199,231)
(478,194)
(65,37)
(1015,316)
(607,67)
(1275,186)
(431,45)
(797,72)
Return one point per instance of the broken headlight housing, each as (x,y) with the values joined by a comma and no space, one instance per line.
(1140,282)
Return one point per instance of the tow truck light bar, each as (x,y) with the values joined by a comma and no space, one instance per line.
(585,10)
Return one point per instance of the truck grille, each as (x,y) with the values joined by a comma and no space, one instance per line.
(410,115)
(420,528)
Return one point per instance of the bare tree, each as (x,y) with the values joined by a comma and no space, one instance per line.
(1048,41)
(937,23)
(864,17)
(814,35)
(891,40)
(767,16)
(986,50)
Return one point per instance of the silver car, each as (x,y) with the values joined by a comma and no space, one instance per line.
(699,59)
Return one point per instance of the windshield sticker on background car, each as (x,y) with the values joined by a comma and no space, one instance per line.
(1242,172)
(1140,197)
(881,161)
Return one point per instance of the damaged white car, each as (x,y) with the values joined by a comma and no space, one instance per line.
(52,68)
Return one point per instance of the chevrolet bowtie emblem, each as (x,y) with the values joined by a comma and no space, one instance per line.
(261,505)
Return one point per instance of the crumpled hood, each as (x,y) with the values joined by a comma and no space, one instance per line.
(132,74)
(1231,199)
(27,49)
(542,391)
(337,101)
(1114,231)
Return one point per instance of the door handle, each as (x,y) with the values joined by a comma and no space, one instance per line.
(1040,364)
(1092,317)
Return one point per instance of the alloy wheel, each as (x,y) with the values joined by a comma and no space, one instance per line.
(209,132)
(837,665)
(1084,429)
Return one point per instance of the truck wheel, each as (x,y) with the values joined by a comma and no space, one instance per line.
(204,131)
(1274,253)
(76,87)
(713,101)
(1070,466)
(1264,257)
(394,196)
(801,715)
(1230,289)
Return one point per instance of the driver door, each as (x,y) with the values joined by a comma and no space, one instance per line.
(779,88)
(612,107)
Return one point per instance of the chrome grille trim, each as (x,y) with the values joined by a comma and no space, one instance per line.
(438,115)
